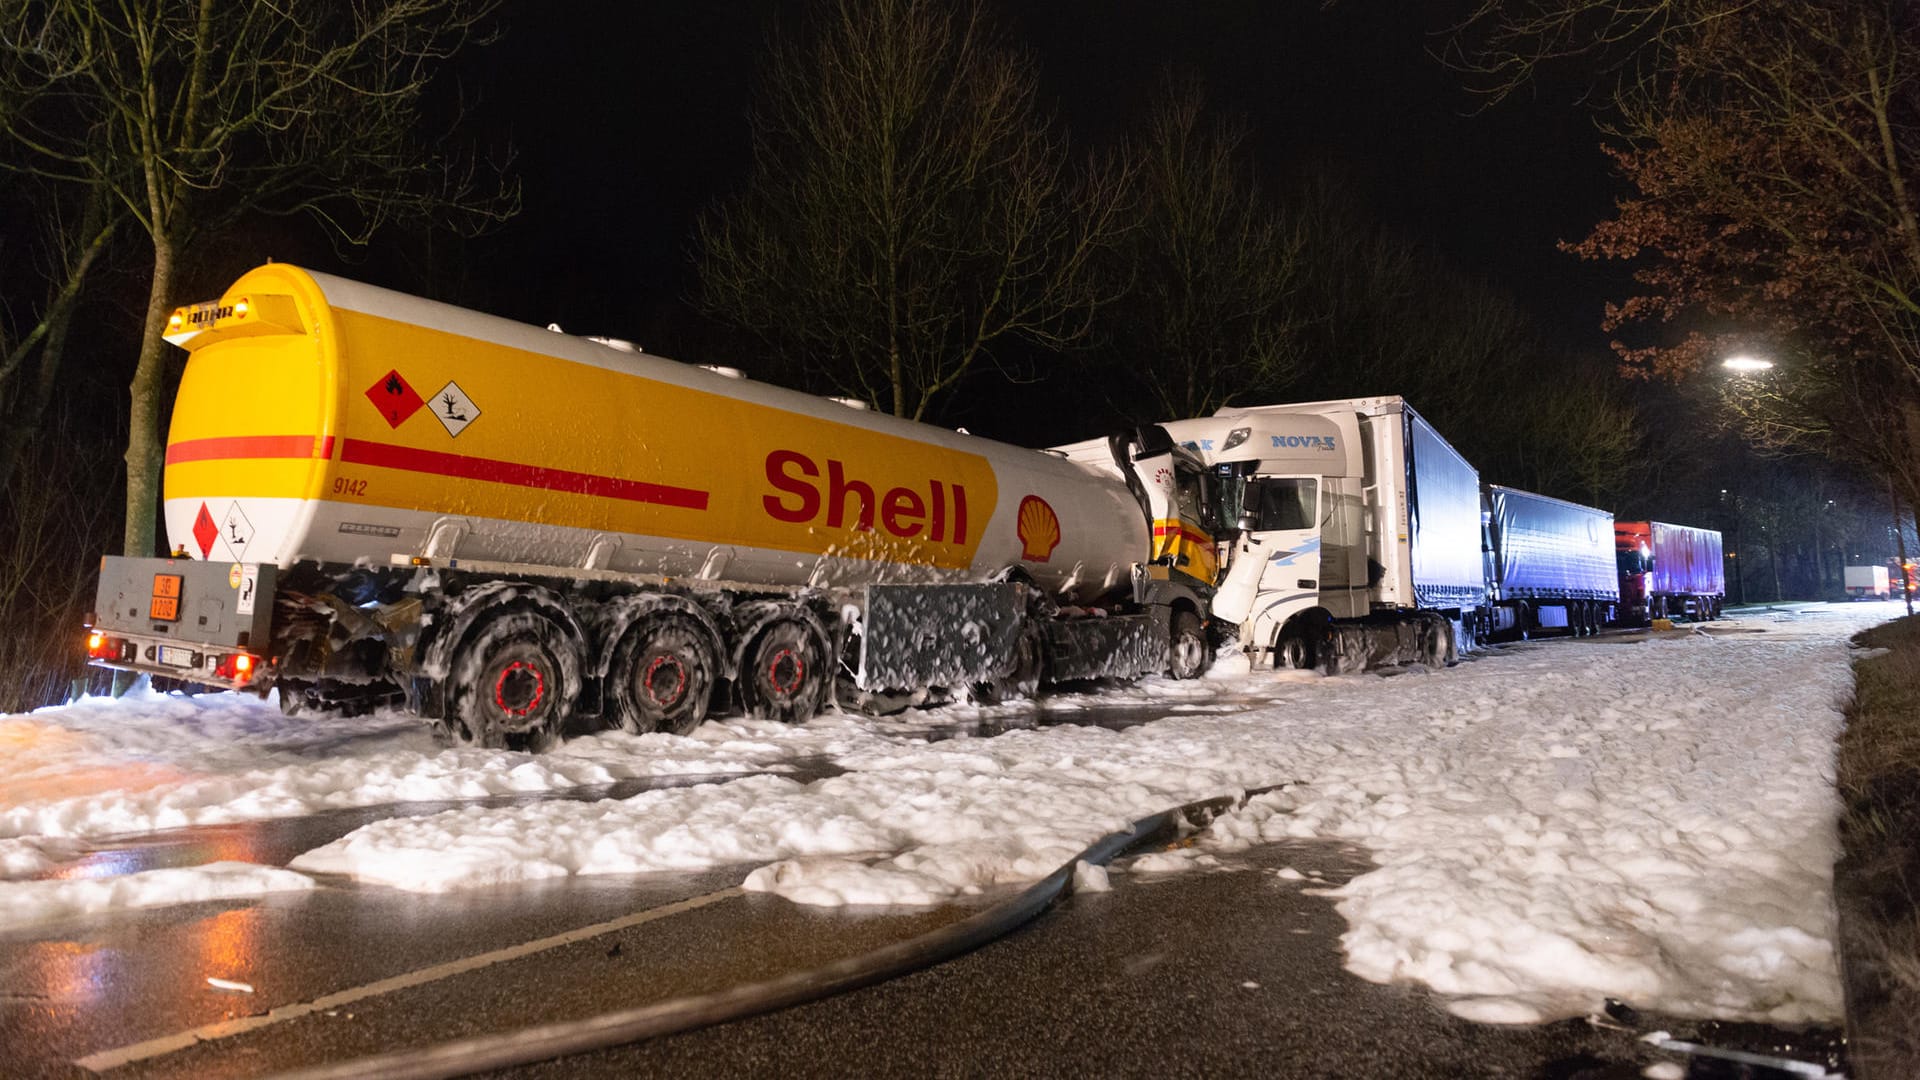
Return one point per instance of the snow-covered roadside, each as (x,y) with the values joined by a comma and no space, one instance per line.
(1651,821)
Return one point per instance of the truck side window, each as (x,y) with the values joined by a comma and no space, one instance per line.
(1284,502)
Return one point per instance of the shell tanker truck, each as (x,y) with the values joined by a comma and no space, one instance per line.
(374,499)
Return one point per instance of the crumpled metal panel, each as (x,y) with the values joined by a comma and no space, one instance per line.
(915,636)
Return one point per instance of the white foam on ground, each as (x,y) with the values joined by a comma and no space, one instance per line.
(29,902)
(1554,824)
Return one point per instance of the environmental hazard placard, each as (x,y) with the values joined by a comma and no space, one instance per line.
(454,409)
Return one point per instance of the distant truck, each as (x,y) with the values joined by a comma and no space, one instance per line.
(375,499)
(1669,571)
(1868,582)
(1352,532)
(1550,564)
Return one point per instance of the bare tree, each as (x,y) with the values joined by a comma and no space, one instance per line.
(1772,145)
(910,207)
(33,338)
(59,501)
(1209,266)
(193,115)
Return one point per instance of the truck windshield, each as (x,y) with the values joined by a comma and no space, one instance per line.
(1632,562)
(1281,503)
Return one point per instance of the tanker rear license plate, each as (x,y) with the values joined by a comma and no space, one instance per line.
(174,656)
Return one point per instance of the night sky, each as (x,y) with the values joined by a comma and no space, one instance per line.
(627,119)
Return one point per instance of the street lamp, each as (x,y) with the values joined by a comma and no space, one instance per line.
(1746,363)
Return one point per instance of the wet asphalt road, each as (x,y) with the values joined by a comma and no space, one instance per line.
(1235,971)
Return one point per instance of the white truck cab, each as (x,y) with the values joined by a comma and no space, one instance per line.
(1352,532)
(1290,492)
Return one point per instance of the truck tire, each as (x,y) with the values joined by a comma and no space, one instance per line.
(1300,641)
(1187,651)
(513,684)
(785,673)
(662,677)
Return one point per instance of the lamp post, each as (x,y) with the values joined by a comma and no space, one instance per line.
(1733,556)
(1744,364)
(1900,537)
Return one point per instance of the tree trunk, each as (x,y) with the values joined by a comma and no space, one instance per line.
(143,419)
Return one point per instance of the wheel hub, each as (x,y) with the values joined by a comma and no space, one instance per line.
(519,689)
(666,681)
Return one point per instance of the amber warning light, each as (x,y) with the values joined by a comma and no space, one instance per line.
(243,316)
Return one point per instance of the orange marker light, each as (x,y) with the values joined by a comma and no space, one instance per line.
(240,308)
(243,664)
(94,641)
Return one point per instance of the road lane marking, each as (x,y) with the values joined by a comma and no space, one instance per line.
(103,1060)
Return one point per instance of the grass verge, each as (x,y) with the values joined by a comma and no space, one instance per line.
(1877,881)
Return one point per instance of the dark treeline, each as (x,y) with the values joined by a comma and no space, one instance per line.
(1065,273)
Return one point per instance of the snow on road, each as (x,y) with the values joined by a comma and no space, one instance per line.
(1553,824)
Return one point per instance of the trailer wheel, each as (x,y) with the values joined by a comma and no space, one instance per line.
(1187,651)
(513,685)
(785,674)
(662,677)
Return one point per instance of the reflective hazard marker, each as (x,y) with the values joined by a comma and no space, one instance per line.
(454,409)
(395,398)
(205,532)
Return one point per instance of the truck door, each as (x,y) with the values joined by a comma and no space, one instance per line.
(1276,557)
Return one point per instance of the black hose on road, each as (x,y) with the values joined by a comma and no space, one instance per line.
(463,1057)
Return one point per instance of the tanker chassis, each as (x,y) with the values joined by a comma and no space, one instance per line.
(375,499)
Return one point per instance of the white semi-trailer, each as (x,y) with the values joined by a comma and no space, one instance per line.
(1358,534)
(377,498)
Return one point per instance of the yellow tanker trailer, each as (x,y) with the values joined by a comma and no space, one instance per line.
(375,498)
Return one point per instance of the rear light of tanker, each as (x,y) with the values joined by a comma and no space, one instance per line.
(235,666)
(96,644)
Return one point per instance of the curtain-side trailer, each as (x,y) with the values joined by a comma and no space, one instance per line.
(1549,564)
(1669,570)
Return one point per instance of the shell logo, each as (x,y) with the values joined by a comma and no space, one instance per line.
(1038,528)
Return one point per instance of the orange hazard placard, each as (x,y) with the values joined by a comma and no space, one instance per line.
(166,597)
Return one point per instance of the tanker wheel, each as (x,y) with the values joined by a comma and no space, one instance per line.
(785,674)
(513,685)
(1023,681)
(1187,652)
(662,677)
